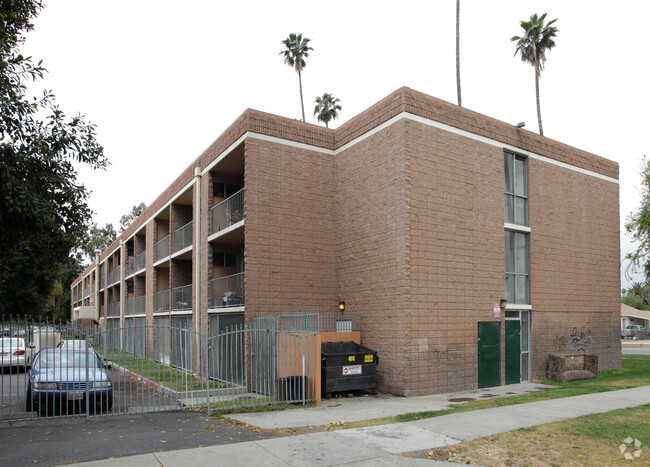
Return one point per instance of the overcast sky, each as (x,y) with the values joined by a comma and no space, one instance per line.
(163,79)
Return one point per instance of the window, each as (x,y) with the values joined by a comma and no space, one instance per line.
(517,267)
(224,260)
(224,190)
(516,189)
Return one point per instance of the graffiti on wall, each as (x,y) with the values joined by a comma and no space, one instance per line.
(578,342)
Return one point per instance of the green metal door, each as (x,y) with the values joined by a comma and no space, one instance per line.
(489,361)
(513,351)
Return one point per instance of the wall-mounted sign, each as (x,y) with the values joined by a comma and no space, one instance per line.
(497,310)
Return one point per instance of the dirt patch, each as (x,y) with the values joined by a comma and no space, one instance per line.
(461,399)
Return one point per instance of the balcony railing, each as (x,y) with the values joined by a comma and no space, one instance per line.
(130,306)
(227,291)
(162,301)
(182,298)
(129,267)
(140,305)
(182,238)
(113,277)
(228,212)
(141,261)
(101,311)
(161,249)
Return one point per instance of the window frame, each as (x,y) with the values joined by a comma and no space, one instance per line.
(519,189)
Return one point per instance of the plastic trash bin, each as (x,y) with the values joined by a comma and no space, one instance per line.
(347,366)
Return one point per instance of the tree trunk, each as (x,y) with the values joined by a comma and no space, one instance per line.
(539,110)
(458,52)
(302,105)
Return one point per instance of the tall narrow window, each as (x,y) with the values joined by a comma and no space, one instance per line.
(516,267)
(516,238)
(516,190)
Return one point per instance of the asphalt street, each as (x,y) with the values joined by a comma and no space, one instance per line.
(65,440)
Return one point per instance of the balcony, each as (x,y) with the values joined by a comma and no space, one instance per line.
(101,311)
(162,301)
(227,291)
(161,249)
(129,268)
(182,238)
(141,261)
(228,212)
(113,277)
(182,298)
(140,305)
(130,307)
(113,309)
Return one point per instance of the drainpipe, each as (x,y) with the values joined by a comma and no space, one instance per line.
(197,268)
(97,269)
(123,293)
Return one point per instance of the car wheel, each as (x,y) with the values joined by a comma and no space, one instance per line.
(29,402)
(107,403)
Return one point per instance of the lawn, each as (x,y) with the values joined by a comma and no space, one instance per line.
(171,378)
(600,439)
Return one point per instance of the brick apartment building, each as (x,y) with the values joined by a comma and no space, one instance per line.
(471,248)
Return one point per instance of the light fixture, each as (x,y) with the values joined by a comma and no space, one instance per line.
(521,124)
(341,305)
(504,302)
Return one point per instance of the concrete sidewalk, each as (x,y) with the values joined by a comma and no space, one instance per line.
(379,445)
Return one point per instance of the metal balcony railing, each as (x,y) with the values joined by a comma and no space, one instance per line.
(228,212)
(141,261)
(116,309)
(182,298)
(140,305)
(227,291)
(182,238)
(162,301)
(161,249)
(130,306)
(129,267)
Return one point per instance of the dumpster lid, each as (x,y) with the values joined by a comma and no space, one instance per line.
(339,348)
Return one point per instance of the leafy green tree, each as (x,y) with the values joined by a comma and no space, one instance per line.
(532,48)
(297,49)
(43,207)
(638,226)
(327,108)
(126,219)
(98,238)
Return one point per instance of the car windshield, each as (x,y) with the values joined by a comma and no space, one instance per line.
(59,358)
(7,343)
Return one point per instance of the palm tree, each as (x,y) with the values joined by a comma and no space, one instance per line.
(297,49)
(640,290)
(532,47)
(458,52)
(327,108)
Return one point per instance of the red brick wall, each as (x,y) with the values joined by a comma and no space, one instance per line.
(372,252)
(289,251)
(574,264)
(457,254)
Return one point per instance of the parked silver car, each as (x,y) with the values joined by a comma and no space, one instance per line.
(634,331)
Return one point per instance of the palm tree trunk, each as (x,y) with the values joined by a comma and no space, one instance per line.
(458,52)
(539,110)
(302,105)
